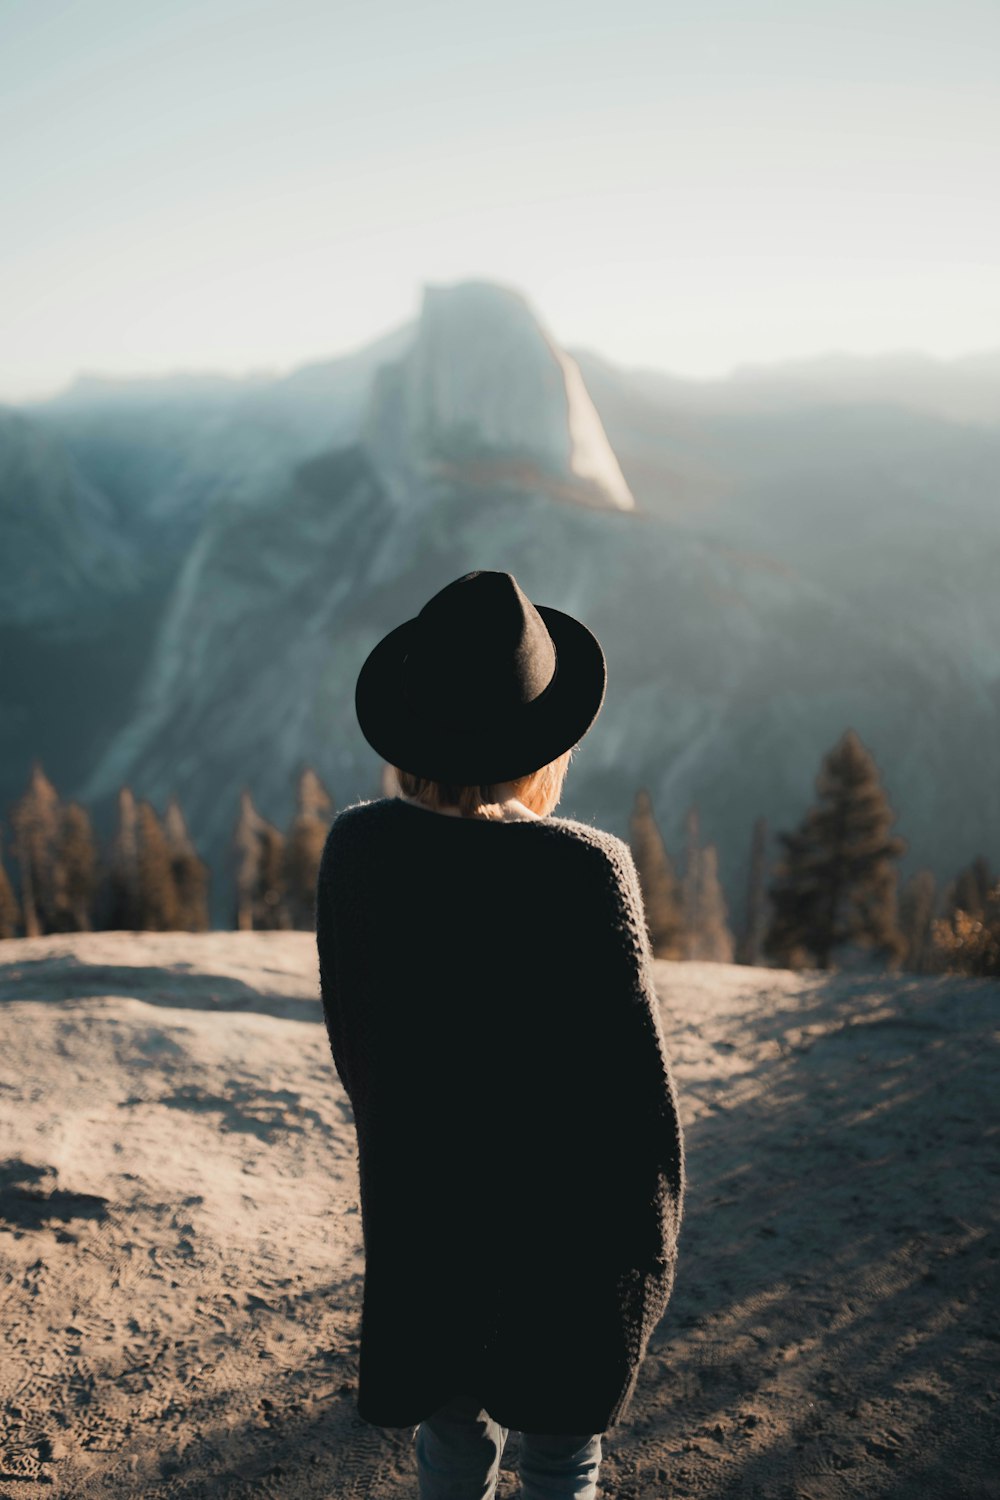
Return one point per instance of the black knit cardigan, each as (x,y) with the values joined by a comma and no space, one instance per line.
(488,994)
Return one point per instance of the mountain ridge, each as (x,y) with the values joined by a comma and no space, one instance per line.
(782,575)
(744,380)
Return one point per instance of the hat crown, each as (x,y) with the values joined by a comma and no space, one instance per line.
(479,650)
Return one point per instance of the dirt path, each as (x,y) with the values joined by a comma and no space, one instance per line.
(180,1252)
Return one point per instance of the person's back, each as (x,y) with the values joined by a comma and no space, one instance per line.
(487,988)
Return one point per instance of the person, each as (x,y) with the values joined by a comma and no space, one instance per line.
(486,977)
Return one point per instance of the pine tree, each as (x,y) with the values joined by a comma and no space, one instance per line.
(191,874)
(968,943)
(35,821)
(691,883)
(158,904)
(246,847)
(304,848)
(260,884)
(270,907)
(749,947)
(10,912)
(124,899)
(970,890)
(916,917)
(76,870)
(836,883)
(713,940)
(660,888)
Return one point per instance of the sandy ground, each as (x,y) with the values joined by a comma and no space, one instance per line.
(181,1262)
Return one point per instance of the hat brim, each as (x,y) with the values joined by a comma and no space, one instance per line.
(468,755)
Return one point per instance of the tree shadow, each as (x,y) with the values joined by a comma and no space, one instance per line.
(834,1325)
(833,1330)
(65,976)
(25,1203)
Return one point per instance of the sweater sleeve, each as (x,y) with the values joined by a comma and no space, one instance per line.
(327,955)
(635,1059)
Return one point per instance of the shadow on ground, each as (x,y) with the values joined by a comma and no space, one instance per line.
(64,976)
(835,1325)
(834,1330)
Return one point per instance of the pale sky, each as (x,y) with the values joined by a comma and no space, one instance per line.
(230,185)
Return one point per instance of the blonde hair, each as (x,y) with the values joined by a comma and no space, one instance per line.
(539,790)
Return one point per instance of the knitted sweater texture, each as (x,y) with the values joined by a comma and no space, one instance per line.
(488,995)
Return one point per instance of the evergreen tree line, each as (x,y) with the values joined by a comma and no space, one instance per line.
(686,912)
(150,878)
(832,895)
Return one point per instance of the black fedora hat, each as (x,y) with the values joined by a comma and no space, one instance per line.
(482,686)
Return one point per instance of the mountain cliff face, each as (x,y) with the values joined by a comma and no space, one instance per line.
(78,604)
(484,394)
(777,577)
(60,542)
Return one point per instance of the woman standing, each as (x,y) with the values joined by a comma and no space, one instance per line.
(486,976)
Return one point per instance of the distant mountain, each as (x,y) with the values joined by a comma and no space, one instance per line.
(78,606)
(60,541)
(966,389)
(182,388)
(762,576)
(483,395)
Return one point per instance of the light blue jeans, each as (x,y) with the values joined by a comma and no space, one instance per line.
(459,1449)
